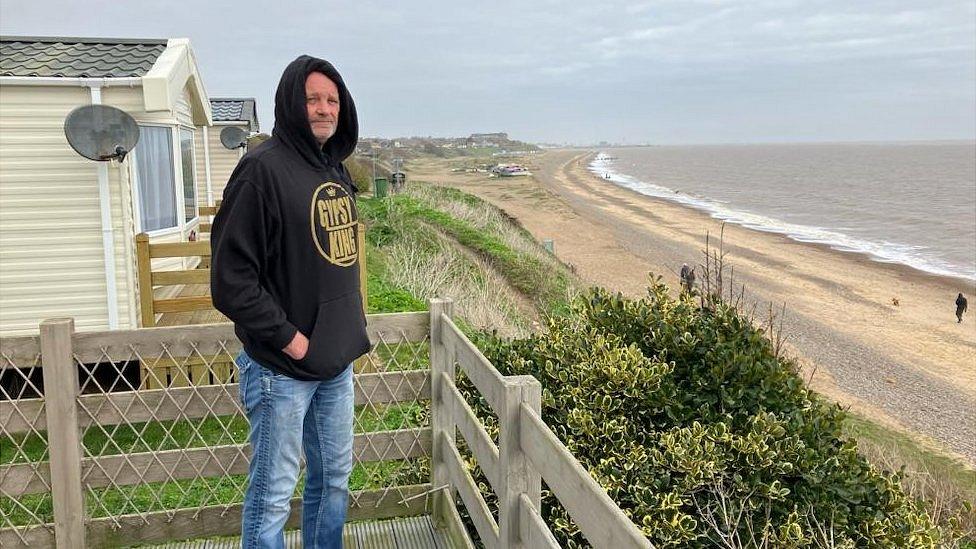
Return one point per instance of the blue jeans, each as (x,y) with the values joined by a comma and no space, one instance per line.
(289,416)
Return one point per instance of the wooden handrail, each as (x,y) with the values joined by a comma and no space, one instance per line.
(532,529)
(148,280)
(200,248)
(597,516)
(528,451)
(472,430)
(208,210)
(20,350)
(462,481)
(183,346)
(478,369)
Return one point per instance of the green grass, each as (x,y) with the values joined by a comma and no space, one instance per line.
(450,193)
(946,485)
(382,296)
(902,448)
(526,274)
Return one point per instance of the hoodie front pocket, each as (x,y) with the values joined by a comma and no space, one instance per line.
(339,336)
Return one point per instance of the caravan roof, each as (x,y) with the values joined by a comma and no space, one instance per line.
(66,57)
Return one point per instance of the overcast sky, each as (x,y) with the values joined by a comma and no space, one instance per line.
(705,71)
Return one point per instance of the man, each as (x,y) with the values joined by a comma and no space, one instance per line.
(961,306)
(285,271)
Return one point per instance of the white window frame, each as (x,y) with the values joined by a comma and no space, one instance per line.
(181,224)
(195,220)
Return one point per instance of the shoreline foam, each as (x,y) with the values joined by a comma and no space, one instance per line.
(887,252)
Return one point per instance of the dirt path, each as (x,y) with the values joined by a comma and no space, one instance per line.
(908,365)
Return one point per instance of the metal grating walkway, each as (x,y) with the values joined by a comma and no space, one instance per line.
(401,533)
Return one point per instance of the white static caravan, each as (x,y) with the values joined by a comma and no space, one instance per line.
(214,161)
(68,224)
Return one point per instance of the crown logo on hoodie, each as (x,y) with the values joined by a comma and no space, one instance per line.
(330,191)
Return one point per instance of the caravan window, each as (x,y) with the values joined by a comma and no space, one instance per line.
(189,182)
(156,177)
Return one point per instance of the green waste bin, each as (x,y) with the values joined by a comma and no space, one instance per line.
(380,187)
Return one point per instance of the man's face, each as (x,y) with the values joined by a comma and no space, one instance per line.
(322,102)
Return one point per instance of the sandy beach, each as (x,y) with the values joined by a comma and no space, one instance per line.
(908,365)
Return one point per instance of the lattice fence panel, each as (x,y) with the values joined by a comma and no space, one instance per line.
(163,430)
(395,469)
(23,444)
(164,427)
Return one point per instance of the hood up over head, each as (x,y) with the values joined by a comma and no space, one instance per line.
(291,117)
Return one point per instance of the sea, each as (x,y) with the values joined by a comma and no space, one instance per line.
(912,203)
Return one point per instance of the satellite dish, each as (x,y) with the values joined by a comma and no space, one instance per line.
(233,137)
(100,132)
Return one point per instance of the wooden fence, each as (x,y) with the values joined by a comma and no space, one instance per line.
(207,214)
(150,281)
(83,468)
(167,373)
(77,471)
(197,281)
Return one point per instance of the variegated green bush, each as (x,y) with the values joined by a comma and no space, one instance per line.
(701,433)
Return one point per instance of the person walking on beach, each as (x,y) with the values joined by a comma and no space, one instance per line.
(687,277)
(294,297)
(961,306)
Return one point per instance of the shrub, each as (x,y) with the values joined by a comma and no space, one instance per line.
(701,433)
(361,171)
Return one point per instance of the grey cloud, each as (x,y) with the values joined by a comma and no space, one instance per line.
(663,70)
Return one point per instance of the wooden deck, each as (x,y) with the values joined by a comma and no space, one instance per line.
(403,533)
(208,316)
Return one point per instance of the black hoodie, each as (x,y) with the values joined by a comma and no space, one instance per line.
(284,241)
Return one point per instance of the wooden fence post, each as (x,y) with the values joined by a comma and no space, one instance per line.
(441,418)
(363,276)
(64,440)
(144,274)
(515,472)
(363,365)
